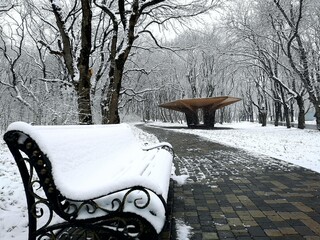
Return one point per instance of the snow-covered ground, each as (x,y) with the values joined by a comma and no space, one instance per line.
(300,147)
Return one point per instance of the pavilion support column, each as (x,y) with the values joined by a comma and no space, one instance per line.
(192,118)
(209,117)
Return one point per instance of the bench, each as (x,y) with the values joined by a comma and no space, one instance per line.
(91,181)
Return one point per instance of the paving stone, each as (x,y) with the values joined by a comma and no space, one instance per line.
(231,215)
(302,207)
(282,224)
(312,238)
(205,217)
(220,221)
(208,229)
(223,227)
(244,215)
(227,209)
(264,238)
(209,236)
(216,214)
(276,218)
(315,216)
(250,223)
(266,225)
(292,237)
(273,232)
(196,236)
(270,213)
(191,214)
(256,213)
(287,230)
(256,231)
(295,222)
(225,234)
(313,225)
(190,208)
(191,220)
(240,233)
(202,208)
(235,221)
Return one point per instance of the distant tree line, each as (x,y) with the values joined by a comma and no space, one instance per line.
(266,52)
(80,47)
(87,62)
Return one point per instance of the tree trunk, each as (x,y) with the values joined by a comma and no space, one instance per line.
(277,109)
(286,115)
(285,107)
(263,117)
(304,73)
(118,57)
(301,115)
(317,114)
(221,116)
(251,117)
(163,115)
(291,112)
(109,105)
(80,82)
(84,86)
(84,102)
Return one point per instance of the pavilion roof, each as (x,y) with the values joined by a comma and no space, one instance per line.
(212,103)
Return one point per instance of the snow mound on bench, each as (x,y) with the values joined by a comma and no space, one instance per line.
(91,161)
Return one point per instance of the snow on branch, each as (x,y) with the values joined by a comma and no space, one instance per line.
(23,101)
(56,52)
(157,43)
(6,84)
(107,10)
(142,70)
(131,92)
(67,48)
(55,80)
(290,91)
(4,8)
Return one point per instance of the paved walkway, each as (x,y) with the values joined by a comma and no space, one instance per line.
(232,194)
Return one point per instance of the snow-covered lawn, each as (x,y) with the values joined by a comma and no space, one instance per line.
(13,212)
(300,147)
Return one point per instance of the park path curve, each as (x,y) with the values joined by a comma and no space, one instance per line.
(234,194)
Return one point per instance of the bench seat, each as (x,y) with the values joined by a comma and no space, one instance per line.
(100,166)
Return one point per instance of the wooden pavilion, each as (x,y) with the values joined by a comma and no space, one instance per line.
(208,105)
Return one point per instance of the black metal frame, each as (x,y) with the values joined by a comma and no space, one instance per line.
(36,174)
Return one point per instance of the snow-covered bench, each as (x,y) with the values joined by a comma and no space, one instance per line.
(91,182)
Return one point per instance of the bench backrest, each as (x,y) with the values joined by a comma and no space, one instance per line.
(19,144)
(89,148)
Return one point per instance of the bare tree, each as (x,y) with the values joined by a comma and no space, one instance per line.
(11,45)
(76,61)
(65,32)
(129,20)
(296,46)
(24,63)
(257,42)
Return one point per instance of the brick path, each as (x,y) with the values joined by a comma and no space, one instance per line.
(232,194)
